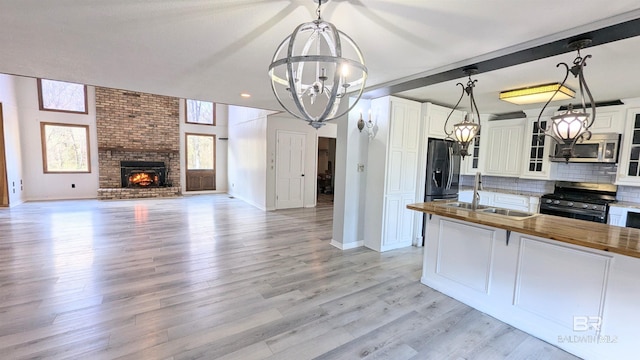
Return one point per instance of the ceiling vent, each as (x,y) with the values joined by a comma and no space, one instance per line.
(509,115)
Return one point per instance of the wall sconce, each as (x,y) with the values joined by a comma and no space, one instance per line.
(573,125)
(537,94)
(368,124)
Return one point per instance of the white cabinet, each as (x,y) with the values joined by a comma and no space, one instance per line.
(629,160)
(503,149)
(547,288)
(617,216)
(435,117)
(471,164)
(536,164)
(608,119)
(392,174)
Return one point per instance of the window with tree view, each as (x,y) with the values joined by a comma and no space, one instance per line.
(65,148)
(201,112)
(62,96)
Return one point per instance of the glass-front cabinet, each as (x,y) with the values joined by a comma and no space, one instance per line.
(471,163)
(629,161)
(536,164)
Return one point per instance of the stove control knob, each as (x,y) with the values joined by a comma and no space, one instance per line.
(569,204)
(556,202)
(595,207)
(549,201)
(585,206)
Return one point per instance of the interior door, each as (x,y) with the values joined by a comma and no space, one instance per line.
(290,170)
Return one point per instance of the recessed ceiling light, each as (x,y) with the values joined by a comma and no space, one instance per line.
(245,95)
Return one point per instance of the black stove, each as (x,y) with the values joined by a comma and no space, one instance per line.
(578,200)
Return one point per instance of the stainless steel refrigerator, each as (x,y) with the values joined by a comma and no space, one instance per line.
(443,170)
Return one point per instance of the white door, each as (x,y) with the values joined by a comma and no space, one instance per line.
(290,170)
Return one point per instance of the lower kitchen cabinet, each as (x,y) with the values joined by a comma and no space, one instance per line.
(579,299)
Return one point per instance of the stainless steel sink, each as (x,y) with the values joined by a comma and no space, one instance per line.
(463,205)
(514,214)
(511,214)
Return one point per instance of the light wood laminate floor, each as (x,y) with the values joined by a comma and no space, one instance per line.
(214,278)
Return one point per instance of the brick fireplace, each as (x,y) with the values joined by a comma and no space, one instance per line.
(137,127)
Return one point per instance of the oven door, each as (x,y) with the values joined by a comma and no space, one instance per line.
(579,214)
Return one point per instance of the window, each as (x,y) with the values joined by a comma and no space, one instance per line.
(201,162)
(62,96)
(201,112)
(65,148)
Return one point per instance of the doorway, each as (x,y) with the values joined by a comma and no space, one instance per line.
(326,170)
(290,148)
(4,186)
(201,162)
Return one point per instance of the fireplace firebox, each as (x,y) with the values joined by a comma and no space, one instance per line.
(143,174)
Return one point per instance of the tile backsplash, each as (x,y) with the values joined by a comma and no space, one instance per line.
(511,184)
(594,173)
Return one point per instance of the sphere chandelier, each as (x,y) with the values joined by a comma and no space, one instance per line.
(314,68)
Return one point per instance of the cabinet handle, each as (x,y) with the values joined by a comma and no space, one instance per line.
(508,236)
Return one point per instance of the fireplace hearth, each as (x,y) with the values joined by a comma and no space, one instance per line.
(143,174)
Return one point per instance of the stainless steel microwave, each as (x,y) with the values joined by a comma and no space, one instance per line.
(601,148)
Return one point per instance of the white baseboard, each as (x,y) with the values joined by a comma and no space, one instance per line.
(347,246)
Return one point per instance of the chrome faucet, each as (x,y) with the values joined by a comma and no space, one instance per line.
(477,185)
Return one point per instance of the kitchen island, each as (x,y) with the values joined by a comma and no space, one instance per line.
(572,283)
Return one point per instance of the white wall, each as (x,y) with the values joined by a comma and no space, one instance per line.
(37,184)
(350,184)
(247,155)
(9,101)
(284,121)
(220,130)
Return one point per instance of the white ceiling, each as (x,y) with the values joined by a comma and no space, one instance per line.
(217,49)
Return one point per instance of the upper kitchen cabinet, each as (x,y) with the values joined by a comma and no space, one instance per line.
(536,164)
(502,147)
(435,117)
(471,163)
(392,175)
(608,119)
(629,160)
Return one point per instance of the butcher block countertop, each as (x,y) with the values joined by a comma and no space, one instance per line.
(620,240)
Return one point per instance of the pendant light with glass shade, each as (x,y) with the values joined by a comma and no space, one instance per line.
(467,130)
(314,68)
(573,125)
